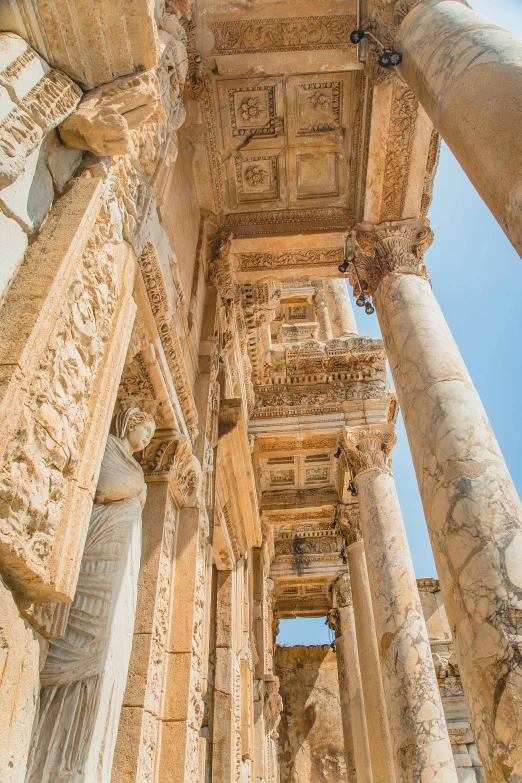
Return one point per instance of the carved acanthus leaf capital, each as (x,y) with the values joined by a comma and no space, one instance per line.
(334,621)
(220,272)
(349,522)
(394,247)
(343,591)
(168,457)
(368,448)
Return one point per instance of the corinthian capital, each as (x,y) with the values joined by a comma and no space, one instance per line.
(349,522)
(395,247)
(343,591)
(368,448)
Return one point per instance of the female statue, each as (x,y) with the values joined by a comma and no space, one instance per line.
(83,680)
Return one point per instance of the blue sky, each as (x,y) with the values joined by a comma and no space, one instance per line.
(477,279)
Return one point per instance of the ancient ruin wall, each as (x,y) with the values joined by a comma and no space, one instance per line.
(310,733)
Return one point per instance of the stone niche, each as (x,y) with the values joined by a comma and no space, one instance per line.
(311,745)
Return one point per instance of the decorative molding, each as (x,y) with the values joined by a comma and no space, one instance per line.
(168,332)
(428,585)
(284,259)
(307,220)
(280,402)
(403,116)
(168,457)
(368,448)
(343,590)
(294,34)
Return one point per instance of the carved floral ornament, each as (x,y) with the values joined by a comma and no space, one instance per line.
(343,591)
(349,522)
(169,457)
(368,448)
(395,247)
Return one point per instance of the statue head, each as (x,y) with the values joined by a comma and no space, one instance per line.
(135,428)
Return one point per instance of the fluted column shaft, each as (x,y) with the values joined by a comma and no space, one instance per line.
(420,741)
(473,512)
(346,645)
(467,74)
(379,742)
(340,308)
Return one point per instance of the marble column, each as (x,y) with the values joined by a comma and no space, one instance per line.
(321,309)
(381,755)
(347,644)
(334,623)
(340,308)
(467,74)
(419,735)
(471,506)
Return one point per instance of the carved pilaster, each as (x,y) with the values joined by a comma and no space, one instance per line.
(394,247)
(343,591)
(368,448)
(168,457)
(350,523)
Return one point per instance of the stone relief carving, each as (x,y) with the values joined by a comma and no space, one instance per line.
(327,257)
(400,142)
(350,523)
(42,458)
(35,100)
(169,455)
(166,325)
(368,447)
(395,245)
(272,35)
(84,677)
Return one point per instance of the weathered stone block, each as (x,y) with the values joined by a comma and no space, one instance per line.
(34,99)
(19,685)
(61,162)
(104,119)
(12,249)
(29,198)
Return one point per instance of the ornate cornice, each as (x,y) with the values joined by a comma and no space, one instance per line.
(394,247)
(368,448)
(350,522)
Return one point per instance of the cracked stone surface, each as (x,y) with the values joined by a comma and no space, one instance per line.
(472,510)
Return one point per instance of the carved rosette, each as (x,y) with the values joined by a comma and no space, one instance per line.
(343,591)
(368,448)
(350,522)
(395,247)
(168,457)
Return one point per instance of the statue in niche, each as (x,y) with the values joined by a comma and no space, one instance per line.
(84,677)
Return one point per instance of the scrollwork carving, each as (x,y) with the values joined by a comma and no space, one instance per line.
(368,448)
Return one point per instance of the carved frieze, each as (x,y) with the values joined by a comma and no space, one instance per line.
(403,115)
(35,99)
(283,259)
(274,401)
(288,34)
(62,348)
(164,315)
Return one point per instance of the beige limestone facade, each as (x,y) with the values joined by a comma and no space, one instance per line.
(196,442)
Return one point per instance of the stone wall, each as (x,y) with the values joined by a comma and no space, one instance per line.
(310,732)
